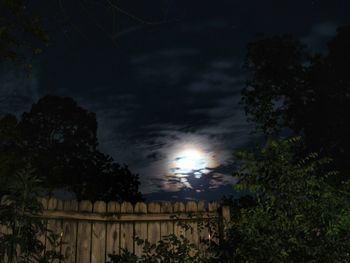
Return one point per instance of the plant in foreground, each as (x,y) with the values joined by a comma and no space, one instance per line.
(22,231)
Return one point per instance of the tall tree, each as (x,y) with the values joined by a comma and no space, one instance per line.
(309,94)
(58,138)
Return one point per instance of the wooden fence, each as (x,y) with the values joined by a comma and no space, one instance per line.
(91,231)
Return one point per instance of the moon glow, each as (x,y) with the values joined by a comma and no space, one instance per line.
(190,160)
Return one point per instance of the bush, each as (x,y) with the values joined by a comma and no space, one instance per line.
(21,225)
(298,217)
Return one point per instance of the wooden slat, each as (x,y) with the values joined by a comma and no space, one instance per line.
(140,227)
(54,225)
(127,229)
(192,232)
(153,228)
(166,227)
(113,230)
(84,235)
(214,229)
(226,215)
(202,226)
(226,218)
(98,244)
(69,237)
(179,207)
(42,237)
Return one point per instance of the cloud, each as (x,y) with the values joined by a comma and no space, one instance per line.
(172,102)
(319,35)
(17,90)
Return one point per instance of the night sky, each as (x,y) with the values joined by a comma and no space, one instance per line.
(164,79)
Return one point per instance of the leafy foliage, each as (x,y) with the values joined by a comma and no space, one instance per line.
(179,249)
(309,94)
(170,249)
(59,139)
(298,216)
(20,222)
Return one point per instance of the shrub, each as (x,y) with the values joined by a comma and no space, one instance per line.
(21,225)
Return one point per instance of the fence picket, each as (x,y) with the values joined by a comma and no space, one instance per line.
(140,227)
(69,237)
(192,232)
(153,232)
(127,228)
(179,207)
(98,244)
(54,225)
(42,237)
(84,235)
(167,227)
(203,230)
(113,230)
(214,227)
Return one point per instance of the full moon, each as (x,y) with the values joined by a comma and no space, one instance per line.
(193,160)
(190,160)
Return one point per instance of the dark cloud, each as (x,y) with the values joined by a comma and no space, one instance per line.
(320,34)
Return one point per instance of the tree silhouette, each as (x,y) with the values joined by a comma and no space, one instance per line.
(309,94)
(59,139)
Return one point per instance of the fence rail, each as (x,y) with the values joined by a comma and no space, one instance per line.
(91,231)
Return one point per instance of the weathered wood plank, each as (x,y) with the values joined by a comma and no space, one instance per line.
(213,227)
(192,232)
(203,230)
(226,218)
(69,237)
(54,225)
(166,227)
(42,237)
(153,228)
(98,244)
(140,227)
(113,230)
(179,207)
(84,235)
(127,229)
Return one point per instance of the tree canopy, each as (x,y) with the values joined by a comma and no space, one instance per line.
(293,88)
(59,139)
